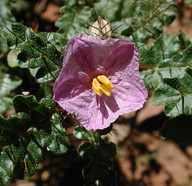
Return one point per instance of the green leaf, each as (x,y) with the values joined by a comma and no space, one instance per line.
(24,137)
(48,103)
(167,57)
(176,95)
(100,170)
(102,152)
(178,129)
(73,19)
(81,133)
(17,124)
(38,112)
(7,84)
(37,51)
(104,131)
(146,17)
(12,58)
(58,141)
(6,18)
(6,168)
(5,104)
(128,31)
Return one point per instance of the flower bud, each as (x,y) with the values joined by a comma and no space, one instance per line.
(101,28)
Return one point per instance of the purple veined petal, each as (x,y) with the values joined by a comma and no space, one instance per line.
(64,90)
(74,97)
(131,74)
(95,112)
(126,98)
(77,99)
(120,57)
(85,58)
(129,95)
(78,58)
(109,55)
(83,54)
(102,113)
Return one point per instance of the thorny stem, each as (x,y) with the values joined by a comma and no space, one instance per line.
(162,50)
(166,68)
(153,16)
(158,6)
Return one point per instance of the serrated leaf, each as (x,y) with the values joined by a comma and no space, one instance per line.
(6,18)
(73,19)
(146,17)
(167,58)
(178,129)
(58,140)
(38,112)
(176,95)
(24,137)
(7,83)
(37,50)
(17,124)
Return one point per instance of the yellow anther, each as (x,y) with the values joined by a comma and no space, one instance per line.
(105,90)
(103,79)
(102,84)
(96,87)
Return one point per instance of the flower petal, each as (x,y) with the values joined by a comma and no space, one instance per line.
(78,58)
(131,74)
(120,56)
(75,98)
(126,98)
(87,56)
(109,55)
(129,94)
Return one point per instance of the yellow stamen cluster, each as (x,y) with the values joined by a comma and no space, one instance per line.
(102,84)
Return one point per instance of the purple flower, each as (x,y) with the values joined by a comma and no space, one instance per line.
(99,80)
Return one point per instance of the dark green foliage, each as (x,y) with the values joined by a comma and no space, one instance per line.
(170,61)
(100,170)
(6,18)
(37,51)
(176,95)
(144,18)
(25,136)
(139,20)
(37,125)
(167,56)
(7,83)
(101,173)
